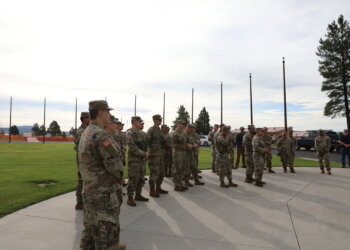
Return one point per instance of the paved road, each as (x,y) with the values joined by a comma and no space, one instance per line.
(334,156)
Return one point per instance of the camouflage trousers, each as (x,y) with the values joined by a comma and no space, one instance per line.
(232,158)
(101,222)
(240,152)
(224,165)
(191,167)
(324,158)
(268,160)
(196,157)
(249,163)
(136,176)
(287,160)
(258,165)
(156,168)
(167,162)
(79,188)
(179,166)
(213,158)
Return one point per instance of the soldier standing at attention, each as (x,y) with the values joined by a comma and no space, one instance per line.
(102,173)
(322,146)
(259,150)
(231,147)
(217,134)
(294,146)
(85,121)
(179,154)
(285,151)
(196,151)
(240,148)
(248,151)
(267,155)
(223,160)
(155,140)
(137,156)
(167,151)
(145,141)
(213,152)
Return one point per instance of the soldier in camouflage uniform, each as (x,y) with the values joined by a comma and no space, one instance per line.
(322,146)
(85,121)
(155,141)
(248,151)
(267,155)
(294,146)
(223,157)
(259,151)
(217,134)
(167,156)
(144,138)
(231,137)
(196,151)
(102,172)
(285,151)
(137,156)
(213,152)
(191,168)
(179,154)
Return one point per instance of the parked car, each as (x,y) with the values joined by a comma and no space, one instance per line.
(307,141)
(204,140)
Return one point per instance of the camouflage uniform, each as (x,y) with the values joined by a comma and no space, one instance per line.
(231,149)
(79,188)
(120,137)
(101,169)
(294,146)
(179,156)
(248,151)
(223,157)
(285,151)
(217,134)
(190,159)
(137,149)
(267,139)
(155,140)
(258,153)
(213,150)
(196,150)
(322,146)
(167,159)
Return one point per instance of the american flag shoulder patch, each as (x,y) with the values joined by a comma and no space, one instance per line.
(106,143)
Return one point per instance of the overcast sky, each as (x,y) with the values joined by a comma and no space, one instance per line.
(90,50)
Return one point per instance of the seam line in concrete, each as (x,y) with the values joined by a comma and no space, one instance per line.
(301,190)
(45,218)
(295,232)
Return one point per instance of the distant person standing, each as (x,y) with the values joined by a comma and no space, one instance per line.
(285,152)
(322,146)
(294,146)
(259,151)
(213,149)
(248,150)
(345,147)
(240,148)
(85,121)
(268,154)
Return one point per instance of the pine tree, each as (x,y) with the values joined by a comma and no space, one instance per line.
(14,130)
(54,129)
(202,122)
(334,67)
(42,130)
(182,114)
(36,129)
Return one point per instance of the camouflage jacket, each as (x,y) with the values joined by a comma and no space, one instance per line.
(155,140)
(322,144)
(211,137)
(168,143)
(222,144)
(294,143)
(231,145)
(285,145)
(267,141)
(190,139)
(217,134)
(77,136)
(247,142)
(99,163)
(137,144)
(258,145)
(197,141)
(179,140)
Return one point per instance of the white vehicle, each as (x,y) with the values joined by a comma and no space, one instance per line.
(204,140)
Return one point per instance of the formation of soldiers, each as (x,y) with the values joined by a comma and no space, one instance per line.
(101,147)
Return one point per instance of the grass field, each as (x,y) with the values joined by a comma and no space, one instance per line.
(27,169)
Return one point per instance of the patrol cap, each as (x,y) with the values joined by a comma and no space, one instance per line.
(229,127)
(114,119)
(226,129)
(181,121)
(84,115)
(157,117)
(120,123)
(136,119)
(222,125)
(164,126)
(194,125)
(99,105)
(291,131)
(216,125)
(241,128)
(259,129)
(252,127)
(264,128)
(320,130)
(191,125)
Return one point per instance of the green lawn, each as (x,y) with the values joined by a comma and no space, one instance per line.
(23,166)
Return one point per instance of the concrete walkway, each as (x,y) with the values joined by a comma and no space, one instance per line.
(305,210)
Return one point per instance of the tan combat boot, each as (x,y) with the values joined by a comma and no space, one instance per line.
(139,197)
(224,185)
(197,182)
(231,184)
(152,191)
(131,202)
(121,247)
(160,190)
(79,206)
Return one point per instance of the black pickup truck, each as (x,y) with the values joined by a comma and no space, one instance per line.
(307,141)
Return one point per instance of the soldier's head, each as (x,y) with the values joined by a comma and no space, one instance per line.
(194,127)
(321,131)
(259,131)
(290,133)
(164,128)
(216,127)
(226,130)
(120,126)
(251,129)
(85,118)
(264,130)
(180,124)
(112,125)
(137,122)
(157,120)
(346,132)
(99,112)
(190,128)
(284,134)
(241,129)
(222,127)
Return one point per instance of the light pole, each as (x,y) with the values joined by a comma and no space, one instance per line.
(221,103)
(44,119)
(192,107)
(163,108)
(284,93)
(10,119)
(135,107)
(251,99)
(76,110)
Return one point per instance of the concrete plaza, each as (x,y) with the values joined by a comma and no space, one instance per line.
(305,210)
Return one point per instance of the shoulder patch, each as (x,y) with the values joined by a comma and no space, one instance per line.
(106,143)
